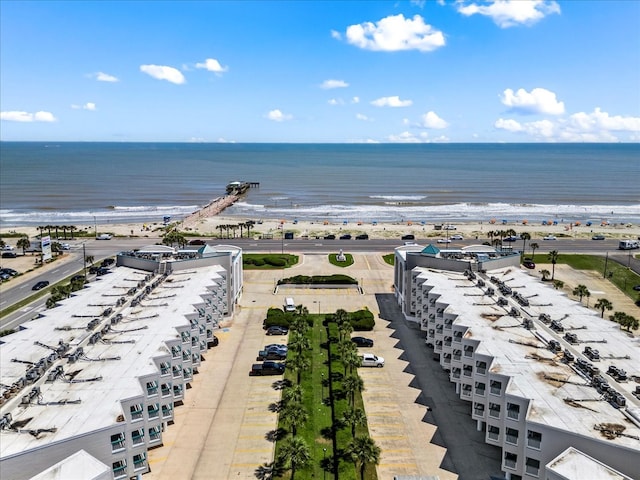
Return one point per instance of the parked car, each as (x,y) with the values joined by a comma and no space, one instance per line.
(102,271)
(9,271)
(449,227)
(346,236)
(409,236)
(362,236)
(7,248)
(636,288)
(267,368)
(444,240)
(213,342)
(330,237)
(77,278)
(277,330)
(528,263)
(549,237)
(371,360)
(40,285)
(276,347)
(197,241)
(362,342)
(107,261)
(457,237)
(103,236)
(9,255)
(272,355)
(65,246)
(598,237)
(512,238)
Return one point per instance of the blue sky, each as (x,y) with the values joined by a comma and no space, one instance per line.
(320,71)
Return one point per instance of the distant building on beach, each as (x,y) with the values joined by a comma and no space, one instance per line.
(545,378)
(92,384)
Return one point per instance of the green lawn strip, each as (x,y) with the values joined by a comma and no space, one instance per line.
(268,261)
(621,276)
(348,260)
(390,258)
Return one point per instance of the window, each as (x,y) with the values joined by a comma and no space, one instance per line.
(188,373)
(466,390)
(177,371)
(177,390)
(165,368)
(467,370)
(455,373)
(139,461)
(167,411)
(510,460)
(117,442)
(494,410)
(152,388)
(119,468)
(534,439)
(480,388)
(153,410)
(468,351)
(137,436)
(493,433)
(166,389)
(481,367)
(186,355)
(478,409)
(447,341)
(175,351)
(532,466)
(136,412)
(513,411)
(511,436)
(154,434)
(457,354)
(496,387)
(184,336)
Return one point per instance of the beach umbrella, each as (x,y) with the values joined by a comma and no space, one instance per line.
(525,221)
(492,221)
(375,222)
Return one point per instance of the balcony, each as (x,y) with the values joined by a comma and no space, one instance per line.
(139,461)
(167,411)
(153,411)
(119,469)
(136,413)
(137,437)
(155,434)
(166,390)
(493,433)
(510,460)
(118,442)
(478,410)
(152,389)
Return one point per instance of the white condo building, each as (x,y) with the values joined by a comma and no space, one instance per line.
(547,380)
(94,381)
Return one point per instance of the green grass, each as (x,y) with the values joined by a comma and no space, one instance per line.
(333,260)
(265,261)
(622,277)
(390,258)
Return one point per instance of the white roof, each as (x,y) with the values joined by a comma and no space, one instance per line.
(573,464)
(79,466)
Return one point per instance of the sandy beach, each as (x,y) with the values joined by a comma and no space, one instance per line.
(210,222)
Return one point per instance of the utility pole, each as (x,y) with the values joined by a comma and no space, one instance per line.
(606,259)
(84,259)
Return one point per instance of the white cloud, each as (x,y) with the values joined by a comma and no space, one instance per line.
(510,13)
(105,77)
(432,120)
(394,33)
(540,100)
(335,34)
(363,117)
(329,84)
(408,137)
(355,100)
(212,65)
(391,102)
(224,140)
(19,116)
(336,101)
(509,124)
(162,72)
(599,120)
(87,106)
(277,116)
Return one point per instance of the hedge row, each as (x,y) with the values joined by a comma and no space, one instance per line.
(272,260)
(277,316)
(319,280)
(361,320)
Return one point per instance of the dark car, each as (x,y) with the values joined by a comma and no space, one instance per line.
(272,355)
(409,236)
(108,261)
(9,271)
(102,271)
(77,278)
(267,368)
(528,263)
(40,285)
(598,237)
(9,255)
(330,237)
(277,330)
(346,236)
(362,236)
(197,241)
(362,342)
(213,342)
(94,269)
(637,288)
(512,238)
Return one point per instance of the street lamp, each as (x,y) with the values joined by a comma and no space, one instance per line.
(324,463)
(322,386)
(95,226)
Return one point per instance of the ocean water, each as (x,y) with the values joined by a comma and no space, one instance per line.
(79,183)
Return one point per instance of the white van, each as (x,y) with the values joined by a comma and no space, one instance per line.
(289,305)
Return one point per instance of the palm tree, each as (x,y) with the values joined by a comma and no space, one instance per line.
(241,226)
(249,226)
(354,417)
(351,360)
(345,329)
(299,343)
(545,273)
(72,228)
(89,259)
(363,451)
(220,227)
(581,291)
(341,316)
(352,385)
(295,452)
(298,363)
(630,322)
(617,317)
(23,243)
(553,256)
(292,394)
(603,304)
(534,246)
(525,236)
(294,415)
(558,284)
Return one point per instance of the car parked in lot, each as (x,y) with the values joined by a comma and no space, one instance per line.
(636,288)
(102,271)
(409,236)
(346,236)
(9,271)
(549,237)
(528,263)
(65,246)
(40,285)
(107,262)
(362,341)
(277,330)
(77,278)
(457,237)
(449,227)
(272,355)
(330,237)
(7,248)
(9,255)
(103,236)
(371,360)
(444,240)
(267,368)
(598,237)
(197,241)
(276,347)
(362,236)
